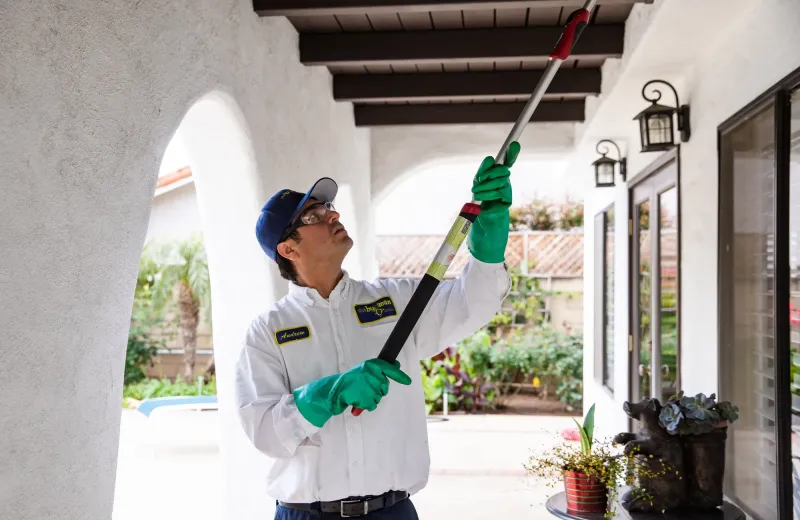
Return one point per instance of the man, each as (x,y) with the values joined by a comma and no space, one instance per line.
(313,355)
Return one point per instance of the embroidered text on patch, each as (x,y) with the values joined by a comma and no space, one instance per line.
(288,335)
(374,311)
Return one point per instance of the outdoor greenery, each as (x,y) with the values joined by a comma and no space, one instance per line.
(140,353)
(172,289)
(518,350)
(142,345)
(483,372)
(151,388)
(154,388)
(543,215)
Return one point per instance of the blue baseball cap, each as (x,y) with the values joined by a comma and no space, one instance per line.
(281,210)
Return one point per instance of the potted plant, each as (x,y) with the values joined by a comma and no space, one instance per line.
(591,472)
(702,424)
(585,489)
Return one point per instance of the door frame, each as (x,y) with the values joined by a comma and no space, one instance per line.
(650,172)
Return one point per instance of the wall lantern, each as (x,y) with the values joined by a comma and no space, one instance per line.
(655,121)
(605,167)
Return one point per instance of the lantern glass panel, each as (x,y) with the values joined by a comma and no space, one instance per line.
(657,129)
(605,174)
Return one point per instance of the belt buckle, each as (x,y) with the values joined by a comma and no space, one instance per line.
(343,502)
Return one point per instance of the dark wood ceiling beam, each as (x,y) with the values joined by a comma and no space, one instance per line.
(459,85)
(465,113)
(455,45)
(329,7)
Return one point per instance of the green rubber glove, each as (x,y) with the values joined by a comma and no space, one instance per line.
(362,386)
(492,187)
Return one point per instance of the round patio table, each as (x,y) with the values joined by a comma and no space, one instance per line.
(557,506)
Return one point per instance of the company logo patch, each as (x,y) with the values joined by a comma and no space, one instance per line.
(375,311)
(285,336)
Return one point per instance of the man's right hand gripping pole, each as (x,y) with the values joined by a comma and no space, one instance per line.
(362,386)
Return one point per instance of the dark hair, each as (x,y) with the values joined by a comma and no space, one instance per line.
(285,266)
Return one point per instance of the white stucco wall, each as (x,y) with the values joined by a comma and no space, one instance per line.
(750,46)
(90,94)
(402,151)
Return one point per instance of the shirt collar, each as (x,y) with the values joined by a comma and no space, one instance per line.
(311,297)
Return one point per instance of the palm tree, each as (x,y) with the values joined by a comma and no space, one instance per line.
(182,268)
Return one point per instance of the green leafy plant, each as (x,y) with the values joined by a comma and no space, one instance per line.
(558,362)
(139,354)
(586,430)
(467,389)
(687,415)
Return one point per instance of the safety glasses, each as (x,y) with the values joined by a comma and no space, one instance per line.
(313,214)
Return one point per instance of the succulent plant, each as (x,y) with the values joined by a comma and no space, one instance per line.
(687,415)
(670,417)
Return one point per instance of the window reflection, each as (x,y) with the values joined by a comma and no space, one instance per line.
(645,338)
(794,298)
(668,264)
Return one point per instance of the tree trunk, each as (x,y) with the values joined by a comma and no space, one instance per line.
(189,320)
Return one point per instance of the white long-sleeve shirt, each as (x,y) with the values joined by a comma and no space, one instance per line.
(304,337)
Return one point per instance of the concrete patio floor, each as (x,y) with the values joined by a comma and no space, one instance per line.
(169,467)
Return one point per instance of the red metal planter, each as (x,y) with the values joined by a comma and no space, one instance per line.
(584,494)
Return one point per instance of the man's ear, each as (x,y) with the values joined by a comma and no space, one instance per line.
(286,249)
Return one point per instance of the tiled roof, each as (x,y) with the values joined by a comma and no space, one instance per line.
(173,177)
(550,253)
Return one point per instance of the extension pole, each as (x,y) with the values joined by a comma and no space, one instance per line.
(575,24)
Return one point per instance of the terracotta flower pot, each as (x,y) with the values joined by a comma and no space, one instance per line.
(584,494)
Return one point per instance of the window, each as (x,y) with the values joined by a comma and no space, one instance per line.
(604,287)
(759,293)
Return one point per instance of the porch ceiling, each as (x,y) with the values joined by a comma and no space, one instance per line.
(425,62)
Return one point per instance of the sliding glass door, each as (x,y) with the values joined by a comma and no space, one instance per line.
(748,333)
(654,338)
(759,301)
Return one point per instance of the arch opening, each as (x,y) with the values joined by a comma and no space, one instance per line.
(209,190)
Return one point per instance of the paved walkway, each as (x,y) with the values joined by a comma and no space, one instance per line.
(476,467)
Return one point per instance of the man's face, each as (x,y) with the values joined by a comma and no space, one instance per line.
(325,240)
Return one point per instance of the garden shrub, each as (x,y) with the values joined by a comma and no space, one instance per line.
(481,372)
(153,388)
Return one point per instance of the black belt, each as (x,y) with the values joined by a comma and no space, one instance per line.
(352,508)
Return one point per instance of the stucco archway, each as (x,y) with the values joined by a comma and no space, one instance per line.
(215,142)
(94,93)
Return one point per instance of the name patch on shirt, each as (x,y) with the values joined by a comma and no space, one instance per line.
(375,311)
(285,336)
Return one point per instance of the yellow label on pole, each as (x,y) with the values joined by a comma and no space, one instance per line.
(449,248)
